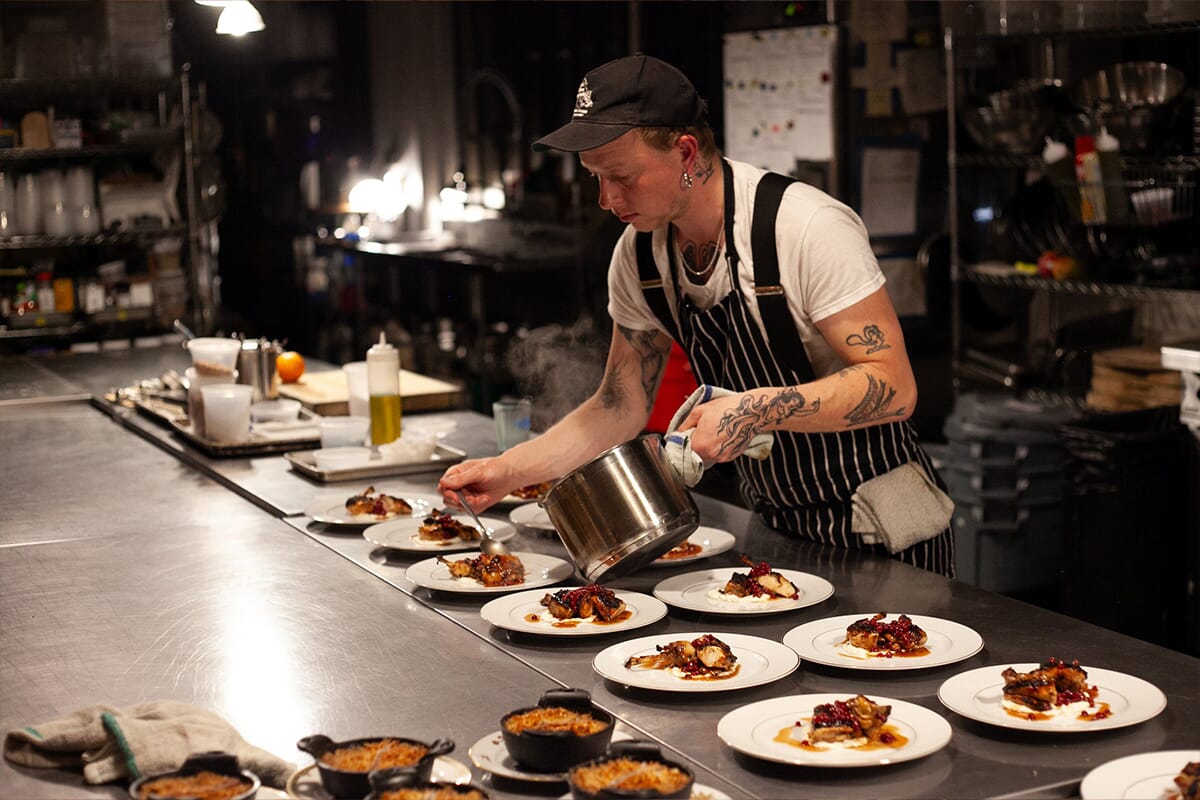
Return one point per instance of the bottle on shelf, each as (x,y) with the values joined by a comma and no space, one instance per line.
(45,293)
(1060,170)
(1116,201)
(1091,181)
(383,386)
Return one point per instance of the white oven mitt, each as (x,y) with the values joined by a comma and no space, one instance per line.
(678,444)
(900,508)
(146,739)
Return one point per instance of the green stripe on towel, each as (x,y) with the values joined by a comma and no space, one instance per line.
(34,732)
(113,727)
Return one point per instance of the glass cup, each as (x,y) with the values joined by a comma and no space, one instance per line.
(227,411)
(512,417)
(356,385)
(196,401)
(212,355)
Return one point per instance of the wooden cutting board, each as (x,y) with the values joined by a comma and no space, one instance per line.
(1130,378)
(327,394)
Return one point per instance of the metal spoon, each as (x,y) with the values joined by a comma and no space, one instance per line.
(487,544)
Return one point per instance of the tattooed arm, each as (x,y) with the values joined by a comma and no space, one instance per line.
(875,387)
(617,412)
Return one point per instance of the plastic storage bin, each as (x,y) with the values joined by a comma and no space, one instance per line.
(1004,471)
(1129,532)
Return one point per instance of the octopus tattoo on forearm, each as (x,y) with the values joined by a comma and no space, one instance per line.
(653,360)
(875,403)
(740,424)
(872,338)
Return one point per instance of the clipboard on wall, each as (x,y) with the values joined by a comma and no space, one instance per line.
(889,185)
(779,97)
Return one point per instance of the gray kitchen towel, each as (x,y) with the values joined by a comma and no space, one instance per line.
(678,444)
(900,508)
(146,739)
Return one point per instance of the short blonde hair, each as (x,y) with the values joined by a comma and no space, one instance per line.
(665,138)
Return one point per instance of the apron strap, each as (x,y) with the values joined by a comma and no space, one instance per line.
(652,283)
(778,323)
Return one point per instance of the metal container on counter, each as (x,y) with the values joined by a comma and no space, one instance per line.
(256,368)
(622,509)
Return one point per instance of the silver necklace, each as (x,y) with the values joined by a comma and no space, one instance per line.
(703,274)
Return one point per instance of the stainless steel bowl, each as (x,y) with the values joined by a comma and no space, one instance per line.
(622,509)
(1014,120)
(1131,84)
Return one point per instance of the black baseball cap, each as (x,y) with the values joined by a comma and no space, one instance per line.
(637,91)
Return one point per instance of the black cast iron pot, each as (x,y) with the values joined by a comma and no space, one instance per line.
(638,750)
(213,761)
(344,783)
(394,778)
(557,751)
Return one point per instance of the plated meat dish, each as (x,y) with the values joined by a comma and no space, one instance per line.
(760,581)
(438,527)
(856,722)
(488,570)
(901,636)
(534,491)
(1188,781)
(379,505)
(854,718)
(1053,688)
(682,550)
(203,785)
(704,657)
(592,600)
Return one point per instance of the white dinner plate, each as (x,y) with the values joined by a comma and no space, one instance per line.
(531,515)
(690,590)
(540,570)
(335,513)
(401,534)
(761,661)
(1137,777)
(821,640)
(753,729)
(305,783)
(711,541)
(517,612)
(976,694)
(491,755)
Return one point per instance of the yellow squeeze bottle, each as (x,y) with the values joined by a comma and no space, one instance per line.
(383,387)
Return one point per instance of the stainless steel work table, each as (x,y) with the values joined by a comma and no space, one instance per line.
(125,576)
(351,684)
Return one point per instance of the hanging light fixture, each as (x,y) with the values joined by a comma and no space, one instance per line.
(238,18)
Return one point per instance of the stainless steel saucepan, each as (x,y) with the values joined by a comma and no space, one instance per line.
(622,509)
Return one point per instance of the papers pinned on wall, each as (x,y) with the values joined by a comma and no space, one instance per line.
(779,96)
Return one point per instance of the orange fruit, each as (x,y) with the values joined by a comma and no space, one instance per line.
(290,366)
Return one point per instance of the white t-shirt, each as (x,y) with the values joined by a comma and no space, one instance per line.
(825,265)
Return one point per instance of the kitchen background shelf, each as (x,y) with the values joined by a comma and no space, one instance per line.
(1141,271)
(154,126)
(119,237)
(982,275)
(143,144)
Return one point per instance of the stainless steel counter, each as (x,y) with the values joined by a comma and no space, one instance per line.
(156,581)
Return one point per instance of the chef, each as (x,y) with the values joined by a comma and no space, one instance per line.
(771,288)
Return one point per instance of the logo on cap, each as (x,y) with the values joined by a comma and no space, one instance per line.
(583,100)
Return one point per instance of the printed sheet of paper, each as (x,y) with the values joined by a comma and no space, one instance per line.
(779,96)
(889,190)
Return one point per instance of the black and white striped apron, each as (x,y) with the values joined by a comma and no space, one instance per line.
(804,487)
